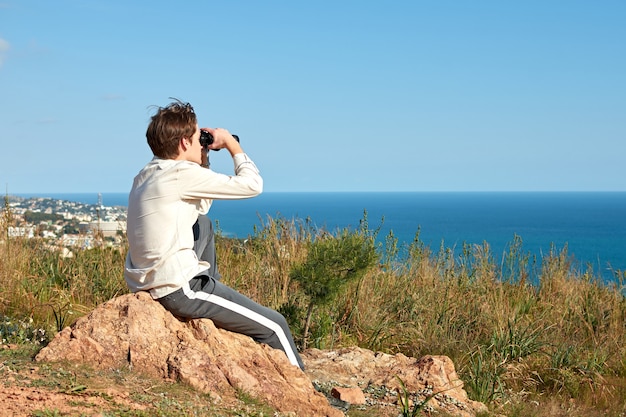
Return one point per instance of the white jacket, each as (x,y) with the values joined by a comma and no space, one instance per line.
(165,201)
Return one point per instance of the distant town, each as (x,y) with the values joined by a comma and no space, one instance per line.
(62,223)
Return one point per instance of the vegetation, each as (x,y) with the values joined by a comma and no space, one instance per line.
(38,217)
(528,337)
(332,262)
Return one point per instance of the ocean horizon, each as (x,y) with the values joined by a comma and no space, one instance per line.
(591,225)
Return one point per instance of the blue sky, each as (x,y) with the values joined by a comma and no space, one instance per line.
(325,95)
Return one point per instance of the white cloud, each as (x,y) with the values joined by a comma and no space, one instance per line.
(4,47)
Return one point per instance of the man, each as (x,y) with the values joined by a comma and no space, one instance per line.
(171,252)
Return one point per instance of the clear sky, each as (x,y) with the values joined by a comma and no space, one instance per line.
(484,95)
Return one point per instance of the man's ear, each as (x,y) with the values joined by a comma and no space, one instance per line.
(184,143)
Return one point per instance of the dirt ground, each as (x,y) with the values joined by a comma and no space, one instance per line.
(30,388)
(24,392)
(25,401)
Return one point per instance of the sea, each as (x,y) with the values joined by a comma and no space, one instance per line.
(590,225)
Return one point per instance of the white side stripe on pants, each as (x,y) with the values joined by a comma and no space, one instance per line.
(246,312)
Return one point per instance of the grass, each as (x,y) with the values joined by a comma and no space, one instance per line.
(532,337)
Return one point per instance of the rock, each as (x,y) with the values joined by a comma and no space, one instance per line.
(352,395)
(135,331)
(376,374)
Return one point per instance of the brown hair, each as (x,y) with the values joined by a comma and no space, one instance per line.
(170,123)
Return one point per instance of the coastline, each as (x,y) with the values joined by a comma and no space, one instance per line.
(591,225)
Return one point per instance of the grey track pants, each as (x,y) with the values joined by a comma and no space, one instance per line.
(205,297)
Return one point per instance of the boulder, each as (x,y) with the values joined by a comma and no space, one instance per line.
(135,331)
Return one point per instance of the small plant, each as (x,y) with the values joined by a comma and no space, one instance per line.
(332,262)
(404,398)
(61,315)
(21,331)
(562,357)
(484,377)
(516,342)
(73,387)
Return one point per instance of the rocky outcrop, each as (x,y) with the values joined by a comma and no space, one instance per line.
(431,378)
(134,331)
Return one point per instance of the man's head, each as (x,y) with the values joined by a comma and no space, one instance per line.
(168,126)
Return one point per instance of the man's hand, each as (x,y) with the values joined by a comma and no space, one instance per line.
(223,139)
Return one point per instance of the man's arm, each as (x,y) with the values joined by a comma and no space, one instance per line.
(223,139)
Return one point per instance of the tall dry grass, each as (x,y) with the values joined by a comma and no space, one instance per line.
(513,324)
(53,290)
(517,328)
